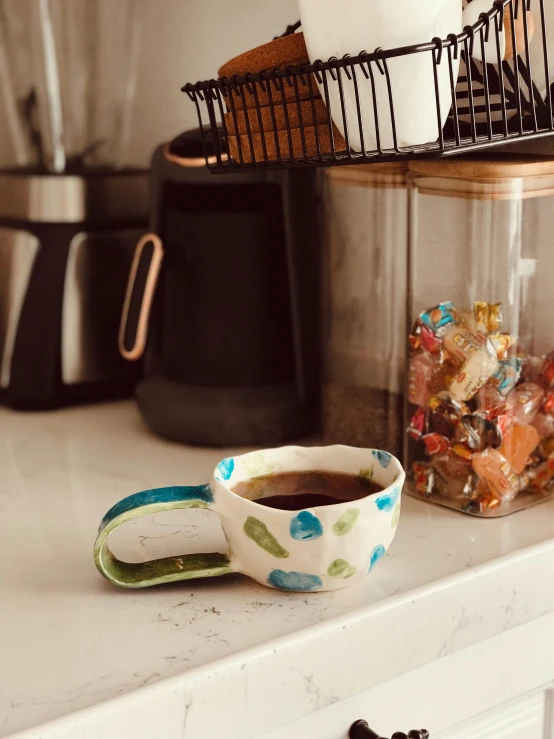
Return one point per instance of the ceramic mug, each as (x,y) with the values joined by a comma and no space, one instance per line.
(333,29)
(317,549)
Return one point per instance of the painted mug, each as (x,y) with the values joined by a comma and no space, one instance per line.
(316,549)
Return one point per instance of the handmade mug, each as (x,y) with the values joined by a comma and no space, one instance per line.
(334,29)
(316,549)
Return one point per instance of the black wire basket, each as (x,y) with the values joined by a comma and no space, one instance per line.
(353,110)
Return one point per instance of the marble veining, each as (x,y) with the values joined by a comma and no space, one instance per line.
(447,582)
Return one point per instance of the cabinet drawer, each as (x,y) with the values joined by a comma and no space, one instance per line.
(521,720)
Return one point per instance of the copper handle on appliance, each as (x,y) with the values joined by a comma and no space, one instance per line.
(138,307)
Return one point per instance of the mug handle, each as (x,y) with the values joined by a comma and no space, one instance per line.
(159,571)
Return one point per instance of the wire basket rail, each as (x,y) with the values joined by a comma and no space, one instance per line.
(362,109)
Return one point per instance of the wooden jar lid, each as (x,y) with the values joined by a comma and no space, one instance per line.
(385,175)
(485,178)
(481,168)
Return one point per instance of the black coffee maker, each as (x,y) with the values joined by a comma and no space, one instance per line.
(223,303)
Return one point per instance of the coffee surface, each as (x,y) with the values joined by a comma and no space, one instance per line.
(296,491)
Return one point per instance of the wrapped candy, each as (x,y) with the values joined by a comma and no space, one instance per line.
(421,376)
(435,444)
(417,424)
(546,449)
(507,375)
(463,451)
(482,430)
(544,424)
(424,478)
(501,344)
(490,397)
(461,343)
(525,402)
(443,418)
(484,421)
(488,317)
(480,367)
(454,477)
(497,474)
(519,444)
(437,319)
(484,317)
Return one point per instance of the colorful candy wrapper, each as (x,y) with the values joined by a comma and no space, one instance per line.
(437,319)
(461,344)
(483,501)
(519,444)
(417,424)
(474,375)
(508,374)
(482,430)
(454,483)
(443,420)
(424,338)
(421,378)
(489,397)
(484,416)
(546,449)
(462,451)
(435,444)
(429,340)
(501,344)
(488,317)
(544,424)
(497,474)
(423,478)
(456,466)
(525,402)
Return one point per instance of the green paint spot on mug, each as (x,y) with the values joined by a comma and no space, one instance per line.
(366,473)
(341,568)
(395,517)
(346,522)
(255,465)
(258,532)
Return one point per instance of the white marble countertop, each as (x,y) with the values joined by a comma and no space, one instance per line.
(80,658)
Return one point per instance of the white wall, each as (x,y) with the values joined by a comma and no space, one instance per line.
(187,41)
(183,41)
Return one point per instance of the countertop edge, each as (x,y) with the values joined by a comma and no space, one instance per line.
(370,646)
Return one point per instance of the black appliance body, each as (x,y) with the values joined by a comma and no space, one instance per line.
(224,303)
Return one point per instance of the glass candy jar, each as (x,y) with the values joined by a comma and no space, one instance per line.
(364,314)
(480,398)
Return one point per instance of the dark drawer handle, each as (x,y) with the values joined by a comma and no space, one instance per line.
(361,730)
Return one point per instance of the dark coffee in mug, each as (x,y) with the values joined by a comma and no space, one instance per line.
(296,491)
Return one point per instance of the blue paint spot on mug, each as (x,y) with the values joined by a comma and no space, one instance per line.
(387,501)
(201,493)
(297,582)
(306,527)
(377,554)
(226,468)
(384,459)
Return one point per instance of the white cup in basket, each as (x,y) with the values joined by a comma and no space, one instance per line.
(333,29)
